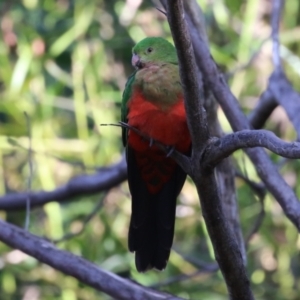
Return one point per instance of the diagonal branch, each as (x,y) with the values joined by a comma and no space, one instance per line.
(279,91)
(70,264)
(264,108)
(103,180)
(286,96)
(279,85)
(86,220)
(264,167)
(180,158)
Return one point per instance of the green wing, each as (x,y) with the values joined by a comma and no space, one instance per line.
(124,109)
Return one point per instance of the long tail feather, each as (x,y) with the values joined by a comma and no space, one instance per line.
(152,222)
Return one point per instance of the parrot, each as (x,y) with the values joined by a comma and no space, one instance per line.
(153,105)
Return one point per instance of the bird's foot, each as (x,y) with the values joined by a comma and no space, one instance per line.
(170,150)
(151,142)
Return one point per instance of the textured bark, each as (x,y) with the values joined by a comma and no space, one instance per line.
(75,266)
(226,248)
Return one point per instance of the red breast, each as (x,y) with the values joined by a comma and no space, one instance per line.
(168,126)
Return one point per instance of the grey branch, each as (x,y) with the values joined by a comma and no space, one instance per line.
(103,180)
(286,96)
(276,14)
(75,266)
(27,218)
(193,92)
(227,252)
(280,91)
(181,159)
(238,121)
(225,146)
(195,18)
(265,106)
(224,170)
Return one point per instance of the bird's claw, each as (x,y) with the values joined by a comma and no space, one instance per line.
(151,142)
(170,151)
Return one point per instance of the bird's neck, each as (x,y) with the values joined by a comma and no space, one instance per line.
(159,84)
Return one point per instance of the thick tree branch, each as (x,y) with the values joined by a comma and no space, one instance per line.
(193,93)
(265,169)
(224,170)
(104,180)
(226,249)
(75,266)
(225,146)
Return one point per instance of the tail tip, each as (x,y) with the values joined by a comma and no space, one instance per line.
(144,263)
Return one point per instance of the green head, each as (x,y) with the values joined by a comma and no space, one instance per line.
(153,50)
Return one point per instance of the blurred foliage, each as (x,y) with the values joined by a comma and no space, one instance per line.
(65,63)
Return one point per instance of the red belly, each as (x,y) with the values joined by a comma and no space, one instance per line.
(167,126)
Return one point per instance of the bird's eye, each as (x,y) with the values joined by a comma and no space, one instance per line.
(149,50)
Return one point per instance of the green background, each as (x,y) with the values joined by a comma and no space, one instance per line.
(65,64)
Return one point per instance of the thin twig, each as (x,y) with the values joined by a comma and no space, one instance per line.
(27,218)
(197,263)
(276,14)
(258,222)
(160,10)
(179,278)
(258,187)
(203,268)
(170,151)
(260,190)
(85,221)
